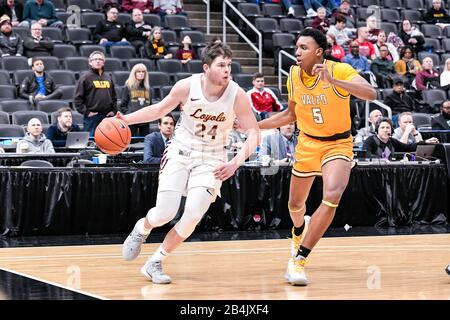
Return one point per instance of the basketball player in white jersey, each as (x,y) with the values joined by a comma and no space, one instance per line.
(195,161)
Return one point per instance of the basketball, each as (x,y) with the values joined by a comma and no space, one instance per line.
(112,136)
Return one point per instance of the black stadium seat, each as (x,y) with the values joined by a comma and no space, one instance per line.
(22,117)
(4,118)
(10,106)
(11,130)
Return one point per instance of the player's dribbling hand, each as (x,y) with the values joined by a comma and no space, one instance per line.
(225,170)
(322,70)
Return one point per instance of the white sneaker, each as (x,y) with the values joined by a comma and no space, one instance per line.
(291,12)
(153,270)
(295,273)
(311,13)
(132,245)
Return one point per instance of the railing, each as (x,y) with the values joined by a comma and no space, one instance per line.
(208,15)
(227,20)
(280,69)
(378,103)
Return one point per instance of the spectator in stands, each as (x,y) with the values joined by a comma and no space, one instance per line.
(382,145)
(366,48)
(321,22)
(280,146)
(42,11)
(360,63)
(392,50)
(407,66)
(37,45)
(110,32)
(407,132)
(437,14)
(13,9)
(399,101)
(186,52)
(412,36)
(340,31)
(311,5)
(57,133)
(155,142)
(372,26)
(168,7)
(11,44)
(155,48)
(366,132)
(428,77)
(38,86)
(145,6)
(136,94)
(34,140)
(138,31)
(336,52)
(263,99)
(442,121)
(445,76)
(383,68)
(344,10)
(236,137)
(95,95)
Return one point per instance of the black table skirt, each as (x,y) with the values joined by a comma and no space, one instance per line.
(59,201)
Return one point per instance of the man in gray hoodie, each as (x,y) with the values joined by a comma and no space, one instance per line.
(34,140)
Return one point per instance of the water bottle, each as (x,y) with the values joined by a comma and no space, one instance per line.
(258,154)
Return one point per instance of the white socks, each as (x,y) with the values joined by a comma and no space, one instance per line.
(141,227)
(159,255)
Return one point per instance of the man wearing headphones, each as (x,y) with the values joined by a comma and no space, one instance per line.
(382,145)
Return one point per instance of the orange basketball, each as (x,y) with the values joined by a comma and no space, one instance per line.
(112,136)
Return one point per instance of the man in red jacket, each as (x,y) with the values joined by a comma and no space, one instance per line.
(263,99)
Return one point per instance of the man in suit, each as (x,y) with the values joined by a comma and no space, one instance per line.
(155,142)
(442,121)
(280,146)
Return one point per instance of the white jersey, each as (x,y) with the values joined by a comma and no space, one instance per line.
(203,128)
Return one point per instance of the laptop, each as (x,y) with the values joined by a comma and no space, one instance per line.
(77,140)
(425,152)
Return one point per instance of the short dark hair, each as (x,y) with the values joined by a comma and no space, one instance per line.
(257,75)
(36,59)
(317,35)
(214,50)
(60,111)
(167,115)
(381,120)
(340,18)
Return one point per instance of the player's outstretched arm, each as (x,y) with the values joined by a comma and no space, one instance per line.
(248,124)
(177,95)
(280,119)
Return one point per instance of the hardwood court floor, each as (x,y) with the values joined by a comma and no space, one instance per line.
(379,267)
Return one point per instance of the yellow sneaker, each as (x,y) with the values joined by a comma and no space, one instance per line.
(297,240)
(295,273)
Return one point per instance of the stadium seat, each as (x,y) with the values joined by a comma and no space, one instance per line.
(11,130)
(4,117)
(63,77)
(10,106)
(22,117)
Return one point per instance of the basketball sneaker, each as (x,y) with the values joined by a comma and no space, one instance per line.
(133,243)
(295,273)
(153,270)
(297,240)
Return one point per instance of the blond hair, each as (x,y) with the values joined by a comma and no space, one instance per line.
(132,82)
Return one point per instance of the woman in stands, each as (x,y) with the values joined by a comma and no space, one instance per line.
(445,76)
(407,66)
(136,94)
(155,48)
(186,52)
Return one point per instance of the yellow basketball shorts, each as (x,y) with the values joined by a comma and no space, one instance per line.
(311,154)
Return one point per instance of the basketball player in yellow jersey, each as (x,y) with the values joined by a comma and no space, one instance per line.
(319,100)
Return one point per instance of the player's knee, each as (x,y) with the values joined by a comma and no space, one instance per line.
(186,226)
(296,207)
(333,196)
(158,216)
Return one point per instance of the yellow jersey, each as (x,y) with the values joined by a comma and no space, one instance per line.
(321,109)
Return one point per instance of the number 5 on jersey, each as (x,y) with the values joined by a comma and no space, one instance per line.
(201,128)
(317,115)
